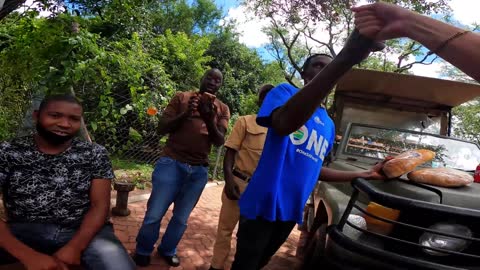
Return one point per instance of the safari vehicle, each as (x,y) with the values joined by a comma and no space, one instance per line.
(394,224)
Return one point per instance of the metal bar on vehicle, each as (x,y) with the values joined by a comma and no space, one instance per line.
(349,207)
(413,226)
(388,257)
(395,201)
(413,244)
(449,131)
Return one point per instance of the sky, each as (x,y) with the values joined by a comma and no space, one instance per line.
(250,28)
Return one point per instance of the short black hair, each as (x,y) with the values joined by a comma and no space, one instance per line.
(53,98)
(266,88)
(309,59)
(210,70)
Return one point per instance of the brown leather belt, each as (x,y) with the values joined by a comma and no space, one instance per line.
(241,175)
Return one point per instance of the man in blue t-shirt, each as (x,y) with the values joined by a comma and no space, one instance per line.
(300,135)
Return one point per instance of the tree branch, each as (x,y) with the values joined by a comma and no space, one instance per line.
(288,45)
(409,66)
(410,50)
(329,47)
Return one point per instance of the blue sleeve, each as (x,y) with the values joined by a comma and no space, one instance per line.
(276,98)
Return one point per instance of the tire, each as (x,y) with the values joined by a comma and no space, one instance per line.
(315,250)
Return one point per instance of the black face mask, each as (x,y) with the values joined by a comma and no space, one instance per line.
(51,137)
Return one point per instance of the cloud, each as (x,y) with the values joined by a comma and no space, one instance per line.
(466,11)
(432,70)
(248,26)
(30,5)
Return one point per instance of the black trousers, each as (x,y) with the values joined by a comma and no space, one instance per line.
(258,240)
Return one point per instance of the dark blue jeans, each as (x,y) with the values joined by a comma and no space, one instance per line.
(172,182)
(104,252)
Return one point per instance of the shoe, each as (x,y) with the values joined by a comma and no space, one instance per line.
(173,261)
(141,260)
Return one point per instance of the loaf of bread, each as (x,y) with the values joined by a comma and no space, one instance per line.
(407,162)
(442,177)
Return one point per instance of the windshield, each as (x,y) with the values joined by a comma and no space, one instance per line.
(390,118)
(379,143)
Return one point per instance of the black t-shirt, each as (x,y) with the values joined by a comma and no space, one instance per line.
(43,188)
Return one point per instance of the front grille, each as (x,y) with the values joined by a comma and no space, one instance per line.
(402,246)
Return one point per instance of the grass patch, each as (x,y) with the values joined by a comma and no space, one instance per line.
(138,173)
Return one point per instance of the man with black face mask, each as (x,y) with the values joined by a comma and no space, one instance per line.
(56,191)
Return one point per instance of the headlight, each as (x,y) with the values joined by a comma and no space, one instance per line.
(444,242)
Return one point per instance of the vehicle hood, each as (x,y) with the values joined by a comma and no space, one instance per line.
(467,197)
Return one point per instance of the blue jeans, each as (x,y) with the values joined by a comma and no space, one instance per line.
(172,182)
(104,252)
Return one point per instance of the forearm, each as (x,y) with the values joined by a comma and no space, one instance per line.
(303,104)
(11,244)
(169,125)
(228,163)
(92,223)
(462,52)
(331,175)
(216,135)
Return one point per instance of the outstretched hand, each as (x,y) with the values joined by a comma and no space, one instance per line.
(376,172)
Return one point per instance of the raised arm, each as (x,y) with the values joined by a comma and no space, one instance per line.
(216,130)
(173,117)
(383,21)
(303,104)
(170,124)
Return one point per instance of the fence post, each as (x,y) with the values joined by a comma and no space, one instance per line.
(219,154)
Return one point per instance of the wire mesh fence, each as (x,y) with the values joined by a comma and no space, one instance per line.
(133,142)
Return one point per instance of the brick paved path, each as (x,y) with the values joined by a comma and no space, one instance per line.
(195,249)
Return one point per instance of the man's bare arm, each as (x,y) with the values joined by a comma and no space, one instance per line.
(231,188)
(216,134)
(384,21)
(96,216)
(12,245)
(303,104)
(332,175)
(374,173)
(169,125)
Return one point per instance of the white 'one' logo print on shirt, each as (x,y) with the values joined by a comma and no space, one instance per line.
(319,143)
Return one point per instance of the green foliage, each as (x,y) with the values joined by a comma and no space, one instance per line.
(465,117)
(242,68)
(184,57)
(466,124)
(138,173)
(121,57)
